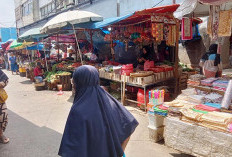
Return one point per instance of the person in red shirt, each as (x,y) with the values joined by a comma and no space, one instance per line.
(38,72)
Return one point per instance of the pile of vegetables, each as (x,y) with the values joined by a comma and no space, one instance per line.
(52,76)
(185,68)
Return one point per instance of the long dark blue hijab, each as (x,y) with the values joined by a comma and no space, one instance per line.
(3,76)
(97,124)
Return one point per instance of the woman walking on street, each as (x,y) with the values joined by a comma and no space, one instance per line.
(98,125)
(13,64)
(3,109)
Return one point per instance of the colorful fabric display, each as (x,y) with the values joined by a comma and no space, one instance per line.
(220,84)
(200,111)
(215,21)
(158,31)
(206,108)
(162,107)
(208,81)
(213,105)
(160,111)
(213,98)
(224,28)
(186,31)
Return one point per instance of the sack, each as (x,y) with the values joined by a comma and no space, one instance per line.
(3,96)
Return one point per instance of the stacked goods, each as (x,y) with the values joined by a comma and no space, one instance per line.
(208,81)
(183,81)
(195,80)
(127,69)
(52,78)
(215,120)
(140,98)
(156,97)
(220,84)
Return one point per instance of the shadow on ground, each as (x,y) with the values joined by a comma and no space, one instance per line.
(181,155)
(26,82)
(71,99)
(29,140)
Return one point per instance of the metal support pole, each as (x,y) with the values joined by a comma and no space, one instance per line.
(118,8)
(145,98)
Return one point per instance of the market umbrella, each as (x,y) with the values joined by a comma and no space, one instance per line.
(15,44)
(7,43)
(70,18)
(32,35)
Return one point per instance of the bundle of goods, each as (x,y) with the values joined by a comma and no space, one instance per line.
(159,110)
(127,69)
(221,84)
(208,81)
(73,66)
(213,98)
(156,97)
(195,80)
(207,116)
(52,78)
(140,98)
(203,107)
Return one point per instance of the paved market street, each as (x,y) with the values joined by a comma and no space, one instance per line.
(37,120)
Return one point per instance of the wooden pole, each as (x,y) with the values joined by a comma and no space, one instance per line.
(176,72)
(78,47)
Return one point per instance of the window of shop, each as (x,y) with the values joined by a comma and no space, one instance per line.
(27,8)
(46,10)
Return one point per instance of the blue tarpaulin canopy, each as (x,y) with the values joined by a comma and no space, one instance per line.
(39,46)
(104,23)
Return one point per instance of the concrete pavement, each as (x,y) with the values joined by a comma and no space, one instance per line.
(37,120)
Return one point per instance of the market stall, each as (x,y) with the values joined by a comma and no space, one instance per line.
(198,122)
(155,28)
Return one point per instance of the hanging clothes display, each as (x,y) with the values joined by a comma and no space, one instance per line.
(224,28)
(209,26)
(186,31)
(158,31)
(215,21)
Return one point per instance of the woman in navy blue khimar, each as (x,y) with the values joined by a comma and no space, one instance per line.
(97,125)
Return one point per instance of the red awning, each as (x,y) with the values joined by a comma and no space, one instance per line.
(158,10)
(146,14)
(214,2)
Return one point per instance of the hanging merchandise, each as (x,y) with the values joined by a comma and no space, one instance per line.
(157,31)
(171,38)
(224,28)
(215,21)
(209,26)
(186,31)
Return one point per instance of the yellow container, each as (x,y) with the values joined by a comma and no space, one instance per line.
(22,70)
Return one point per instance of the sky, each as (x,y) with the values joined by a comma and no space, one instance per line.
(7,14)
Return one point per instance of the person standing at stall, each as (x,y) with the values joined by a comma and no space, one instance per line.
(97,125)
(3,108)
(211,62)
(13,64)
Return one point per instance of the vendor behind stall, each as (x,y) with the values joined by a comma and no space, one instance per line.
(38,72)
(70,58)
(144,56)
(211,62)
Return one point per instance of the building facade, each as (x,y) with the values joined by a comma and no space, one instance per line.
(35,13)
